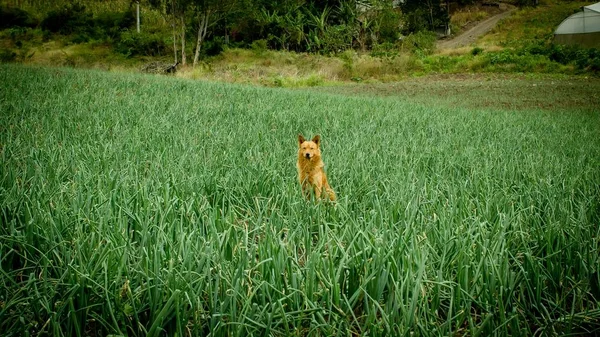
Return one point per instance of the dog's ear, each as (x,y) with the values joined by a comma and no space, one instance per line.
(317,139)
(301,139)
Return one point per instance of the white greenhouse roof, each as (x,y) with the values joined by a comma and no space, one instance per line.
(581,22)
(592,8)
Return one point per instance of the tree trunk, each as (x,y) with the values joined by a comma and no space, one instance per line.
(174,25)
(138,16)
(174,42)
(430,16)
(183,58)
(202,30)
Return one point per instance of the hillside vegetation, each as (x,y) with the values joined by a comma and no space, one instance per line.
(104,37)
(148,206)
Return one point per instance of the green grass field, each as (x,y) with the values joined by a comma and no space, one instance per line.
(139,205)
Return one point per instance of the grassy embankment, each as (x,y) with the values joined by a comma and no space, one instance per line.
(147,205)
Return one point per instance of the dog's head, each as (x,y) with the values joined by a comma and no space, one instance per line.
(309,149)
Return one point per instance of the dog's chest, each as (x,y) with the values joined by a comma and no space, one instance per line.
(310,173)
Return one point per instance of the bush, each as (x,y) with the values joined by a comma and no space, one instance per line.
(75,20)
(132,44)
(67,20)
(389,27)
(336,39)
(510,60)
(423,42)
(112,23)
(15,17)
(476,51)
(7,55)
(347,58)
(386,49)
(259,46)
(215,46)
(584,58)
(20,36)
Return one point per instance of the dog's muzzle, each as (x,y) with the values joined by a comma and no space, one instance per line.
(307,156)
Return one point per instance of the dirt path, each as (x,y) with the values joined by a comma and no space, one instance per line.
(475,32)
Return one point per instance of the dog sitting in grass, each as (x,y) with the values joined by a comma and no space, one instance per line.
(310,169)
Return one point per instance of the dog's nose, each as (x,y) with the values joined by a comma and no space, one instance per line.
(308,155)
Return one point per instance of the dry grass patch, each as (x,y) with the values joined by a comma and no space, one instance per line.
(455,51)
(270,68)
(468,15)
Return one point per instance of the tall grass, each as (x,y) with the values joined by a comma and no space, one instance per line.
(138,205)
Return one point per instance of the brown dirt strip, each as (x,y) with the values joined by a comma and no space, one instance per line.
(471,35)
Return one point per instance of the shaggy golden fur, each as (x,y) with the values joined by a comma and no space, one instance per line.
(310,168)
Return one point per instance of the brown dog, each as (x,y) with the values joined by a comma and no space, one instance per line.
(310,168)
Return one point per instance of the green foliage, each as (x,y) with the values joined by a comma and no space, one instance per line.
(7,55)
(15,17)
(510,61)
(20,35)
(149,206)
(82,26)
(214,46)
(527,2)
(146,44)
(422,42)
(388,25)
(113,23)
(587,59)
(532,25)
(423,15)
(476,51)
(259,46)
(386,49)
(347,58)
(336,39)
(68,19)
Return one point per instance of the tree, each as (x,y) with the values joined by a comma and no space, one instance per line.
(170,10)
(424,14)
(207,13)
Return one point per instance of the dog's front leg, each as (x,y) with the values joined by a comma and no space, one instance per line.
(306,190)
(318,191)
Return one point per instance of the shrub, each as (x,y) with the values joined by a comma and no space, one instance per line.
(415,21)
(259,46)
(112,23)
(389,25)
(386,49)
(67,20)
(20,36)
(215,46)
(75,20)
(7,55)
(422,41)
(131,44)
(476,51)
(583,58)
(347,58)
(336,39)
(510,60)
(15,17)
